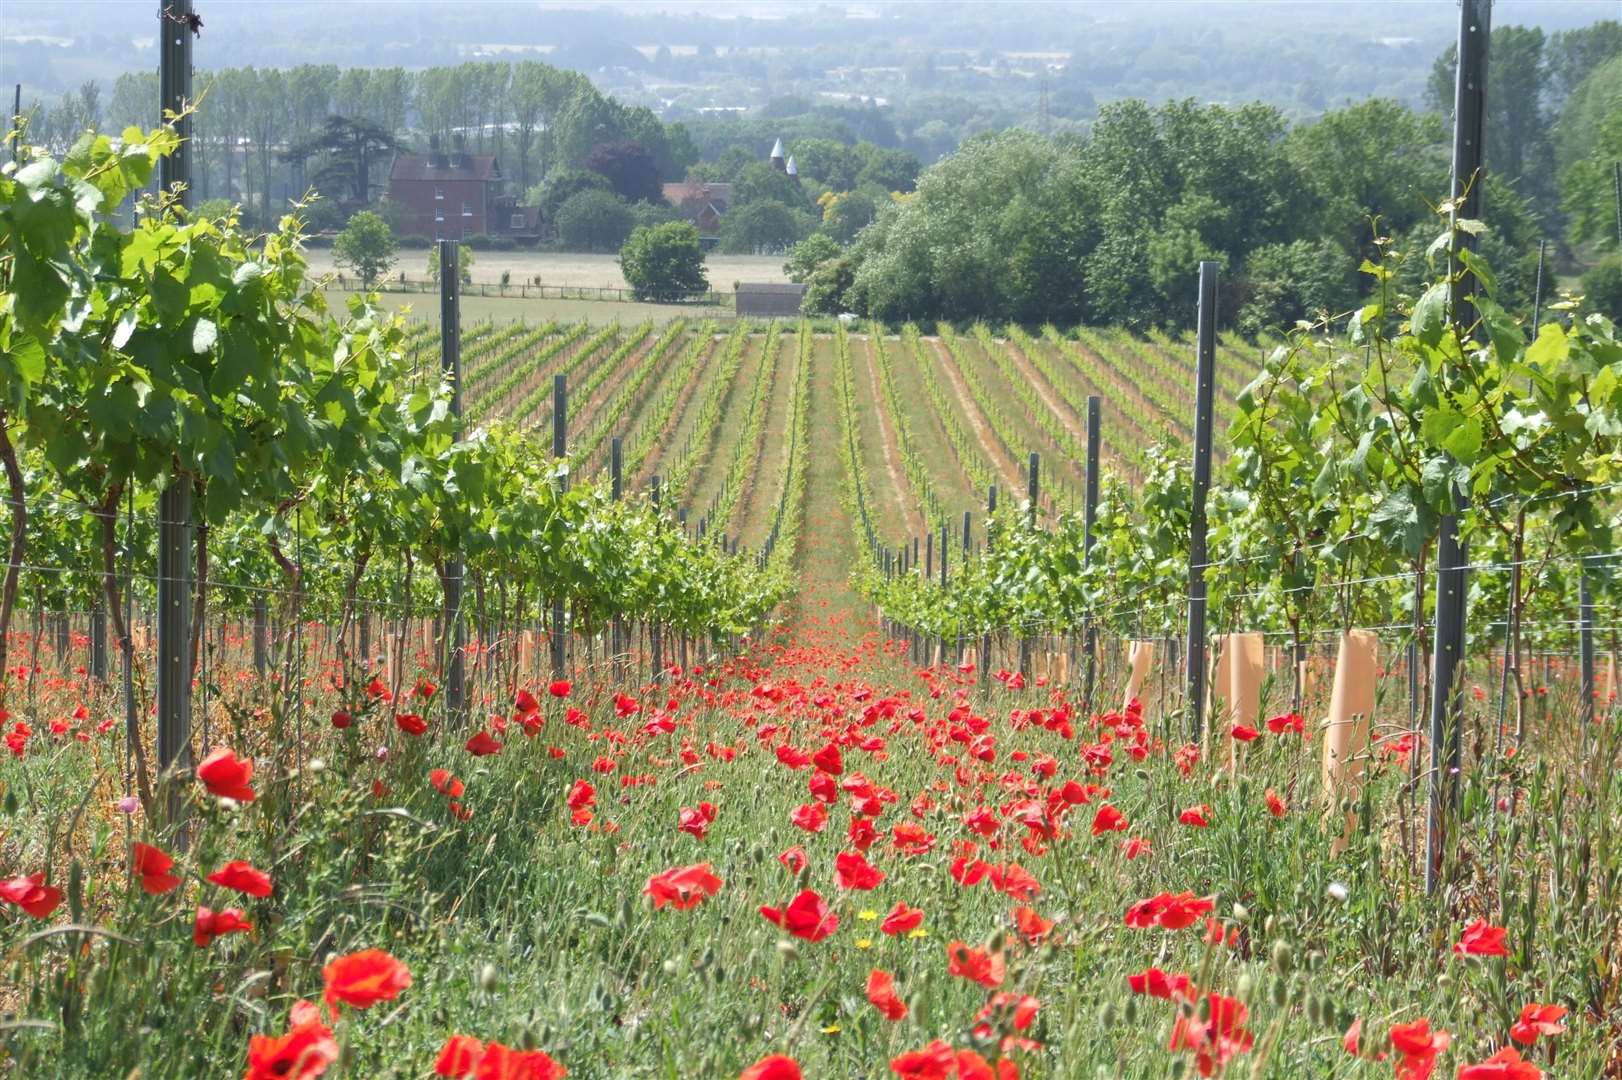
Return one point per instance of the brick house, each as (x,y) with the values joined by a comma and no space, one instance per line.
(702,204)
(454,196)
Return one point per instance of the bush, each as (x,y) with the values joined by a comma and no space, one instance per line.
(664,262)
(366,245)
(1603,288)
(594,221)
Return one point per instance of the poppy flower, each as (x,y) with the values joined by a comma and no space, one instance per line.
(934,1062)
(1134,846)
(31,894)
(362,979)
(226,776)
(1289,722)
(482,744)
(853,871)
(559,688)
(243,878)
(376,689)
(581,795)
(1215,1040)
(524,703)
(794,859)
(682,887)
(1032,925)
(1169,912)
(975,964)
(1538,1020)
(1108,819)
(806,916)
(625,706)
(151,866)
(1504,1065)
(1014,880)
(498,1062)
(212,924)
(1481,938)
(302,1054)
(459,1057)
(1160,984)
(772,1067)
(1275,805)
(425,689)
(812,817)
(1419,1047)
(341,719)
(902,919)
(881,994)
(971,1066)
(1197,816)
(695,819)
(1244,732)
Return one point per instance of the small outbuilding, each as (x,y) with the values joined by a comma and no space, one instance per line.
(768,299)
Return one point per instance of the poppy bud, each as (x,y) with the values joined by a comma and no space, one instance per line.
(1314,1009)
(998,942)
(489,978)
(1269,925)
(1444,981)
(757,854)
(1241,914)
(11,802)
(1283,958)
(1345,806)
(1243,784)
(706,960)
(787,949)
(1130,1013)
(1244,987)
(1107,1015)
(1280,993)
(1141,774)
(720,974)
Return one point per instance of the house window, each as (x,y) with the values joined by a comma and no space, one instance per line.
(439,213)
(518,221)
(467,209)
(439,192)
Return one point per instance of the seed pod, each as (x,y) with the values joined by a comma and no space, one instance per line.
(489,978)
(1283,957)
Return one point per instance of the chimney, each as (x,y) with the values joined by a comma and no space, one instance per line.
(436,157)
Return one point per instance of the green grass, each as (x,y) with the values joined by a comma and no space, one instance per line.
(426,306)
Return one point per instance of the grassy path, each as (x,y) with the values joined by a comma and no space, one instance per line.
(827,551)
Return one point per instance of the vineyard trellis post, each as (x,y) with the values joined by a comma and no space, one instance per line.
(98,641)
(1452,551)
(1585,632)
(985,637)
(261,634)
(1204,389)
(560,450)
(1033,491)
(175,503)
(1089,516)
(450,359)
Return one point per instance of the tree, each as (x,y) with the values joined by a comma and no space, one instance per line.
(892,170)
(367,246)
(1517,128)
(1587,187)
(348,149)
(664,262)
(1603,288)
(629,169)
(809,254)
(759,182)
(464,263)
(594,221)
(1283,283)
(550,194)
(761,226)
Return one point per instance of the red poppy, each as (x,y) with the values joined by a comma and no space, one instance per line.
(1419,1047)
(524,703)
(1275,805)
(482,744)
(362,979)
(772,1067)
(560,688)
(812,817)
(376,689)
(1032,925)
(212,924)
(1243,732)
(853,871)
(302,1054)
(1481,938)
(881,993)
(459,1057)
(1134,846)
(1504,1065)
(975,964)
(1295,722)
(934,1062)
(1197,816)
(625,706)
(1157,983)
(410,723)
(151,866)
(31,894)
(682,887)
(1015,881)
(806,916)
(243,878)
(581,795)
(226,776)
(425,689)
(1538,1020)
(902,919)
(1108,819)
(341,719)
(695,819)
(971,1066)
(1168,911)
(1217,1039)
(794,859)
(500,1062)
